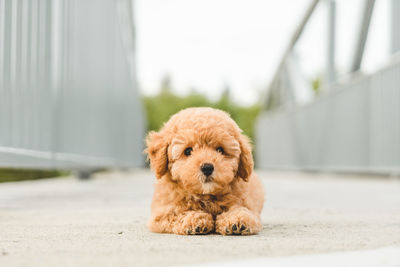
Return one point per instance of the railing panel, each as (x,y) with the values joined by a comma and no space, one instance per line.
(353,128)
(385,118)
(66,94)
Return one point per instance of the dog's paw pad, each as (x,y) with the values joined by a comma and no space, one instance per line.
(201,230)
(237,229)
(198,231)
(244,230)
(234,228)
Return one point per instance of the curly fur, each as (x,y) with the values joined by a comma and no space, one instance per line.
(184,201)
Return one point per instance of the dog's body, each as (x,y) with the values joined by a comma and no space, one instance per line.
(204,165)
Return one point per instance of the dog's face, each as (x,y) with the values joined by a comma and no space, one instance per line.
(202,149)
(205,162)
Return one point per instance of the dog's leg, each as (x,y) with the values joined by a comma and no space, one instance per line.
(238,221)
(186,223)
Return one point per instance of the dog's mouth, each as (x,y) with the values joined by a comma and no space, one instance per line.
(207,183)
(206,179)
(208,188)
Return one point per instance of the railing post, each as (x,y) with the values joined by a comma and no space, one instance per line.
(395,26)
(362,37)
(330,68)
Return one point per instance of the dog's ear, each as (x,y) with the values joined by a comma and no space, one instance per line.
(246,163)
(156,150)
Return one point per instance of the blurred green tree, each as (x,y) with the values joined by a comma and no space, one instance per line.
(160,107)
(12,175)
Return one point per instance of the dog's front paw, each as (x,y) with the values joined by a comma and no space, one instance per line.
(194,223)
(239,221)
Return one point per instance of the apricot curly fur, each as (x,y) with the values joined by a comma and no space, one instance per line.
(186,201)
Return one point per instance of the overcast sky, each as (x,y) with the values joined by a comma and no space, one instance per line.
(208,44)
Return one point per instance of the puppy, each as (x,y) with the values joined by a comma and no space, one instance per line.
(205,176)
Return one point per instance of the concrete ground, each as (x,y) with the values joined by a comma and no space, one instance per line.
(101,222)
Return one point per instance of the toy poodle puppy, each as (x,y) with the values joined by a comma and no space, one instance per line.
(205,176)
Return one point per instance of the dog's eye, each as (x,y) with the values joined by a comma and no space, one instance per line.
(220,149)
(188,151)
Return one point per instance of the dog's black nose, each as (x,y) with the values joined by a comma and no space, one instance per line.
(207,168)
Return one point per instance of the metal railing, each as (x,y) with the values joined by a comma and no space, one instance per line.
(353,126)
(67,91)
